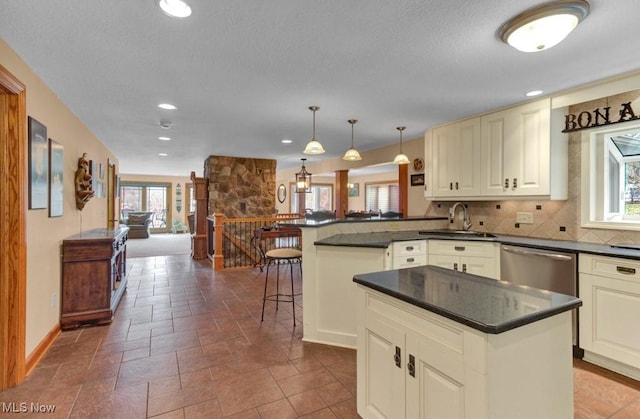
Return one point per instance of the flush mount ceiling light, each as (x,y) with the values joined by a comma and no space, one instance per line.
(303,180)
(352,154)
(544,26)
(533,93)
(401,158)
(175,8)
(167,106)
(164,138)
(162,154)
(313,146)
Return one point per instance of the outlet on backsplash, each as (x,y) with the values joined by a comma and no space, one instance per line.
(524,217)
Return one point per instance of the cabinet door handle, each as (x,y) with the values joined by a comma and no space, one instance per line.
(450,186)
(459,248)
(457,186)
(515,183)
(411,366)
(409,248)
(397,358)
(455,266)
(411,260)
(625,270)
(464,267)
(506,183)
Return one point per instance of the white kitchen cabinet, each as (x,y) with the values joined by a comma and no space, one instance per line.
(458,372)
(406,254)
(456,159)
(474,257)
(523,154)
(610,291)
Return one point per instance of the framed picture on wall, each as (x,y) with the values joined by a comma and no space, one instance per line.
(38,164)
(354,189)
(417,180)
(56,174)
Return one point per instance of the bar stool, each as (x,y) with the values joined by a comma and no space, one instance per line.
(278,257)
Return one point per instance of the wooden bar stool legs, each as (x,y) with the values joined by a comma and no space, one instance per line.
(279,257)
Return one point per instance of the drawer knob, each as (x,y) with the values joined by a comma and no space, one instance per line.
(459,248)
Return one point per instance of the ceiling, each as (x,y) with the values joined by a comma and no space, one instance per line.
(243,73)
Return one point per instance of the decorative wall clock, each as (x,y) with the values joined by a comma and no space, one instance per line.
(282,193)
(418,164)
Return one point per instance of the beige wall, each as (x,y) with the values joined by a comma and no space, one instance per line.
(173,180)
(44,234)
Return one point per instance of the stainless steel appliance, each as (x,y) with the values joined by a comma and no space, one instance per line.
(544,269)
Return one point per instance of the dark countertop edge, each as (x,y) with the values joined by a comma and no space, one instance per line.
(324,223)
(493,329)
(530,242)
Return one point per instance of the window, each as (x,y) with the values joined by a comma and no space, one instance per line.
(320,198)
(146,197)
(611,178)
(382,197)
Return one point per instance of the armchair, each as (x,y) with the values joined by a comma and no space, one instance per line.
(139,224)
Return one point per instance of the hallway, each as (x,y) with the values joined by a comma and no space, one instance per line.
(187,342)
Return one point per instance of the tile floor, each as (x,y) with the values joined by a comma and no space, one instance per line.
(187,343)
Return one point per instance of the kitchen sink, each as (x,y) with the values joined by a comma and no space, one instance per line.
(456,233)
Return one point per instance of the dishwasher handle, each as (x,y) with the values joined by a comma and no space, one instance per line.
(527,252)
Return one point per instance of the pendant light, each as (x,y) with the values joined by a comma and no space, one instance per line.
(401,158)
(544,26)
(352,154)
(314,146)
(303,180)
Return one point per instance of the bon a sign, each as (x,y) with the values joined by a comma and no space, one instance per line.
(600,117)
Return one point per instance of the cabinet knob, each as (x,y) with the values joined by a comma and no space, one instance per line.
(464,267)
(397,358)
(459,248)
(455,266)
(515,183)
(411,366)
(457,186)
(450,186)
(506,183)
(409,248)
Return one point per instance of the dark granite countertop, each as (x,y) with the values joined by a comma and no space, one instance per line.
(384,239)
(322,223)
(484,304)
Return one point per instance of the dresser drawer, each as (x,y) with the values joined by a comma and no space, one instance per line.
(610,267)
(461,248)
(409,261)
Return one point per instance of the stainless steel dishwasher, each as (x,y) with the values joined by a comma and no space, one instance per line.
(544,269)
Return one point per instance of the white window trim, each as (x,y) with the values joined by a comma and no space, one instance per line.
(588,174)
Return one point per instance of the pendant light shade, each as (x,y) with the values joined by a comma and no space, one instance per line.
(544,26)
(352,154)
(401,158)
(303,180)
(314,146)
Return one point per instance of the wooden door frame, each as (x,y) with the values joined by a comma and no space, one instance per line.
(13,215)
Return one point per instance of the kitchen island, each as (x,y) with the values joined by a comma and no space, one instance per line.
(433,342)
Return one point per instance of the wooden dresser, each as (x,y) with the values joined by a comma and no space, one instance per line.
(94,276)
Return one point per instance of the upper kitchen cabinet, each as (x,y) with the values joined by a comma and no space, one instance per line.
(518,152)
(523,153)
(456,159)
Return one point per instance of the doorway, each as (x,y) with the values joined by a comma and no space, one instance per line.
(13,214)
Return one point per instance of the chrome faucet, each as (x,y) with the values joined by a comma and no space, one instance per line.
(466,222)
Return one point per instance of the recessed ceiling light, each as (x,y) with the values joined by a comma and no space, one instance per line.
(164,138)
(286,141)
(175,8)
(167,106)
(162,154)
(533,93)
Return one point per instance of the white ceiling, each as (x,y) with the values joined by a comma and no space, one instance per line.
(243,73)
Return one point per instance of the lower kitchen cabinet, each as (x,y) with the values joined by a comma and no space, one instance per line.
(473,257)
(610,291)
(416,364)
